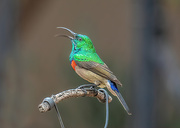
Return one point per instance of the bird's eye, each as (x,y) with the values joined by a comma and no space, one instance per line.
(80,39)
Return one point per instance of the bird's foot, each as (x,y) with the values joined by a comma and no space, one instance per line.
(91,86)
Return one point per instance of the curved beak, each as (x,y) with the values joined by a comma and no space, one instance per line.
(60,35)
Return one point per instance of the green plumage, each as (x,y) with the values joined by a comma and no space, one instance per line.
(83,50)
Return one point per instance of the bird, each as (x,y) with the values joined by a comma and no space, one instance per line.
(88,65)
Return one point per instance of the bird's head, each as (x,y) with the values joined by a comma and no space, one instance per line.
(79,41)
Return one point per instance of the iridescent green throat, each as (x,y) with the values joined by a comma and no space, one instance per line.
(83,50)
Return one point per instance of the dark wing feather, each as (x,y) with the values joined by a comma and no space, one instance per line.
(100,69)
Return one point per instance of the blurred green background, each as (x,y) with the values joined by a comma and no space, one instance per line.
(138,40)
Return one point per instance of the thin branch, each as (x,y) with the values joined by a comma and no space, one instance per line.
(85,92)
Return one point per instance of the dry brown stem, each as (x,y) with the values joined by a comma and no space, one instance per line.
(85,92)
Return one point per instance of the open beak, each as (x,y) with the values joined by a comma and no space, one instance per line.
(62,35)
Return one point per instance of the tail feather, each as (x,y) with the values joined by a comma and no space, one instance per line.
(114,90)
(121,99)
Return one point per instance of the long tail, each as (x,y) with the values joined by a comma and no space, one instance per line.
(114,90)
(121,99)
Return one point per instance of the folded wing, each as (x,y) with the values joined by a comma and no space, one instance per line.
(100,69)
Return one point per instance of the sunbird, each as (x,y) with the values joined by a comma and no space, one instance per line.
(88,65)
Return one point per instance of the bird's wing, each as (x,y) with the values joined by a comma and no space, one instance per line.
(100,69)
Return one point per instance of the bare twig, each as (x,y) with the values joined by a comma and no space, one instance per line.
(85,92)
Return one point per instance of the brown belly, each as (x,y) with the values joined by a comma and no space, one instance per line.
(90,76)
(94,78)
